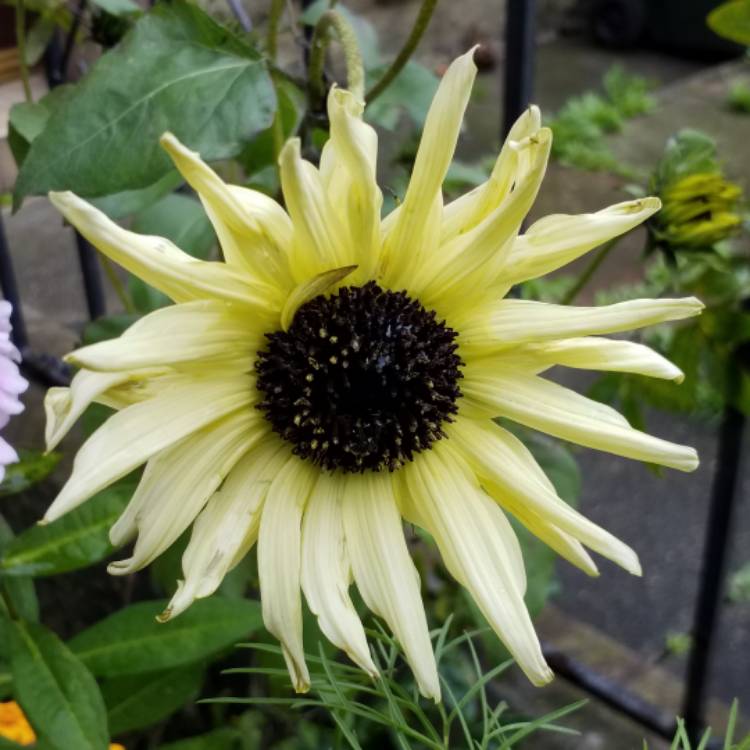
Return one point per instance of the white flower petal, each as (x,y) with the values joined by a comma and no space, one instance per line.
(551,408)
(559,239)
(228,526)
(479,548)
(384,572)
(254,231)
(310,289)
(320,238)
(326,571)
(160,263)
(279,563)
(508,471)
(347,166)
(514,321)
(415,230)
(176,485)
(191,332)
(130,437)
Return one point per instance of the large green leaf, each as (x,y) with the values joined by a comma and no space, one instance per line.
(57,693)
(137,701)
(411,91)
(131,641)
(32,468)
(119,205)
(19,590)
(78,539)
(732,21)
(177,70)
(222,739)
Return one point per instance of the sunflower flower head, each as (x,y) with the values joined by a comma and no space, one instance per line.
(701,207)
(340,372)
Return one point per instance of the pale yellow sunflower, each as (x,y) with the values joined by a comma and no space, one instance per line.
(339,373)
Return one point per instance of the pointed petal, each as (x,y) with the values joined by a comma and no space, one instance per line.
(193,331)
(466,212)
(310,289)
(326,572)
(130,437)
(551,408)
(176,485)
(557,240)
(508,471)
(254,231)
(415,233)
(611,355)
(384,572)
(228,526)
(319,237)
(160,263)
(479,548)
(473,259)
(279,563)
(514,321)
(348,165)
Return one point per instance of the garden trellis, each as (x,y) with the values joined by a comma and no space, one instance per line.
(519,45)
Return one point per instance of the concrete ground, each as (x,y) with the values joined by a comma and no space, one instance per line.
(662,517)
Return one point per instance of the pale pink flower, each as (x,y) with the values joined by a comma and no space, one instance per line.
(12,384)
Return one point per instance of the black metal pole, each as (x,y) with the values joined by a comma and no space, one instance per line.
(518,77)
(714,563)
(10,292)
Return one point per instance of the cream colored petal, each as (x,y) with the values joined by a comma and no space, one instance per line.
(279,555)
(63,406)
(415,231)
(508,471)
(514,321)
(384,572)
(472,260)
(163,265)
(320,239)
(310,289)
(613,355)
(479,549)
(326,572)
(190,332)
(348,171)
(466,212)
(255,231)
(228,526)
(551,408)
(130,437)
(176,485)
(557,240)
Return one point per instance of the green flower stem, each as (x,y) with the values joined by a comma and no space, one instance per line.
(420,25)
(332,21)
(589,271)
(117,284)
(21,42)
(7,603)
(275,12)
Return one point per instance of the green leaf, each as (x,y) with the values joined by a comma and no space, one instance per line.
(20,590)
(411,90)
(732,21)
(57,693)
(131,641)
(119,7)
(32,468)
(78,539)
(221,739)
(139,701)
(119,205)
(176,70)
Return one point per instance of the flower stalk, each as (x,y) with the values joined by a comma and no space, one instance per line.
(332,22)
(420,26)
(589,271)
(21,42)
